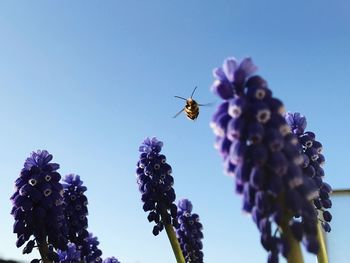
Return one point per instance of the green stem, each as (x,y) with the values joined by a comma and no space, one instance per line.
(322,252)
(174,243)
(43,249)
(172,237)
(295,255)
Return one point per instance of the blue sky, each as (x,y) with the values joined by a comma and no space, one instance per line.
(88,80)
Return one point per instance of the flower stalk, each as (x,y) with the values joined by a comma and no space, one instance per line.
(174,243)
(295,255)
(43,249)
(322,252)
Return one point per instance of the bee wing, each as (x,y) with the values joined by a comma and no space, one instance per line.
(177,114)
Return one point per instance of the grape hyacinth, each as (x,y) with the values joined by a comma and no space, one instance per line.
(155,184)
(312,165)
(71,255)
(38,205)
(75,209)
(258,149)
(111,260)
(189,233)
(90,252)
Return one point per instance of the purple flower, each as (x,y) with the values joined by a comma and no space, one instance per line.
(90,252)
(151,145)
(231,76)
(71,255)
(189,233)
(155,184)
(296,122)
(111,260)
(75,209)
(38,203)
(313,161)
(257,148)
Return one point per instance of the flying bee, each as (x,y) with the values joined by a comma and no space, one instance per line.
(191,108)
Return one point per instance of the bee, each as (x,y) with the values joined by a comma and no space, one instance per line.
(191,108)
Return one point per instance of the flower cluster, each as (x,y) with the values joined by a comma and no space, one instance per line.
(90,250)
(111,260)
(71,255)
(53,213)
(75,209)
(312,165)
(155,184)
(38,204)
(258,149)
(189,233)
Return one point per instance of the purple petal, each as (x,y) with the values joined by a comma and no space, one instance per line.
(223,89)
(185,205)
(219,74)
(229,67)
(248,66)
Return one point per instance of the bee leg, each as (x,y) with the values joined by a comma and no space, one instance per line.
(180,97)
(177,114)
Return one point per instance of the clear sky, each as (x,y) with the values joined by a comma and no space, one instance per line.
(89,80)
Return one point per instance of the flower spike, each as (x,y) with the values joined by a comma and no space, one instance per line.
(38,205)
(264,157)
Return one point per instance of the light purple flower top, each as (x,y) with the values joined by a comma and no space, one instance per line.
(296,121)
(151,144)
(185,205)
(40,158)
(231,76)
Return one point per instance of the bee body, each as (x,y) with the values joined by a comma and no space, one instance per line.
(191,108)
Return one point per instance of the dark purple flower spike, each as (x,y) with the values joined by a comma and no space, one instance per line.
(258,149)
(189,233)
(156,185)
(313,161)
(157,193)
(38,205)
(75,209)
